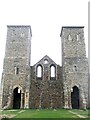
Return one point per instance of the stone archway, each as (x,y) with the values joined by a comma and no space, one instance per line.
(16,98)
(75,98)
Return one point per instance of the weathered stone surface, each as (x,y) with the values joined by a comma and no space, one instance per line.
(17,55)
(75,65)
(46,92)
(45,84)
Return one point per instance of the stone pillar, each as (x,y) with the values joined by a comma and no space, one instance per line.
(83,100)
(69,99)
(22,97)
(26,105)
(66,98)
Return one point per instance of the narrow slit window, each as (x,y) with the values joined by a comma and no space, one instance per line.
(77,37)
(75,68)
(16,70)
(69,37)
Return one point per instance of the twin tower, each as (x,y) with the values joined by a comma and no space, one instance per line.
(45,84)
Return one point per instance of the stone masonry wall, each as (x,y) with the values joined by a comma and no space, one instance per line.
(47,92)
(17,55)
(75,65)
(45,84)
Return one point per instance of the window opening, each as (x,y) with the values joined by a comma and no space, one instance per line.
(16,70)
(39,71)
(45,61)
(53,71)
(77,37)
(75,68)
(69,37)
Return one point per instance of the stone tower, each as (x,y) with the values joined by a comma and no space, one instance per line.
(74,67)
(16,68)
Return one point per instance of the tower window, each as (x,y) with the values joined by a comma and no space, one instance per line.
(69,37)
(75,68)
(16,70)
(77,37)
(22,34)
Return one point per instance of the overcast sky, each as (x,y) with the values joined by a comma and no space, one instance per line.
(46,18)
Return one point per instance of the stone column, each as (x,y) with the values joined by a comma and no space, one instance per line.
(69,99)
(26,105)
(22,97)
(83,100)
(66,98)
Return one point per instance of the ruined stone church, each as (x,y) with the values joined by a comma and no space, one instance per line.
(45,84)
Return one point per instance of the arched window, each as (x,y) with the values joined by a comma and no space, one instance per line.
(77,37)
(16,70)
(52,72)
(39,72)
(69,37)
(75,68)
(45,61)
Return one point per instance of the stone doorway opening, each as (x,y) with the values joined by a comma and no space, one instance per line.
(75,98)
(16,98)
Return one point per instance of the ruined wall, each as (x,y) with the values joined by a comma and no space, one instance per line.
(53,86)
(47,91)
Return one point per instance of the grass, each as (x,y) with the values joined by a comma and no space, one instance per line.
(46,113)
(84,113)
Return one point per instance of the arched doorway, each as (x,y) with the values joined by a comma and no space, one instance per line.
(75,98)
(16,98)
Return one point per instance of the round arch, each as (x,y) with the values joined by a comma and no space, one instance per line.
(15,86)
(18,100)
(75,98)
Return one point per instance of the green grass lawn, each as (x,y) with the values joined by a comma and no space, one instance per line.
(82,112)
(46,113)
